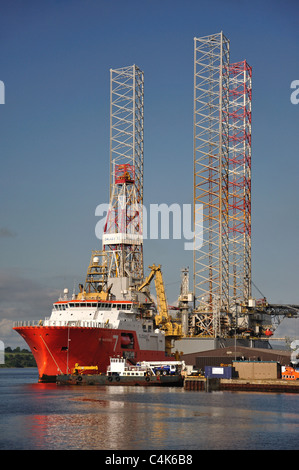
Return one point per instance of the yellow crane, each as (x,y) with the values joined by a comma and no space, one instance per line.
(80,369)
(163,320)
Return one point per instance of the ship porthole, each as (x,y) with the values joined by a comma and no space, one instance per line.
(117,379)
(110,379)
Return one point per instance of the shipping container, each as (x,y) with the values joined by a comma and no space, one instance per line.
(258,369)
(226,372)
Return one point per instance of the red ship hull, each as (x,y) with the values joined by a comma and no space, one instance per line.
(57,349)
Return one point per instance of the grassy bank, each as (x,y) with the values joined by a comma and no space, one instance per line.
(18,358)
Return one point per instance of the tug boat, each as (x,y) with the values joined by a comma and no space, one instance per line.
(122,372)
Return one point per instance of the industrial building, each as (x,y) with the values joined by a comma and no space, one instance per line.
(228,355)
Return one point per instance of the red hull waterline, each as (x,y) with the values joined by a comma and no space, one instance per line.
(57,349)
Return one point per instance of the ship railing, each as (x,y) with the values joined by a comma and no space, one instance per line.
(78,323)
(20,323)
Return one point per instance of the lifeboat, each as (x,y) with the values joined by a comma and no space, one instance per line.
(268,332)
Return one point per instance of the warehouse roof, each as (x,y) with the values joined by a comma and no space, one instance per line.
(240,352)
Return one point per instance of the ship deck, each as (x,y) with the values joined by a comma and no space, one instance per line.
(102,379)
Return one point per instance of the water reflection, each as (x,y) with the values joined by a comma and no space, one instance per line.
(44,416)
(119,419)
(111,421)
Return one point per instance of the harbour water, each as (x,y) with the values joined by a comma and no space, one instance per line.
(50,417)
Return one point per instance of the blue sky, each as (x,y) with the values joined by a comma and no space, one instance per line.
(55,59)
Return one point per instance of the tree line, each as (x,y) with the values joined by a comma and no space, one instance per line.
(18,357)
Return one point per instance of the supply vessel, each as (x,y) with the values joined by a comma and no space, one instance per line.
(91,327)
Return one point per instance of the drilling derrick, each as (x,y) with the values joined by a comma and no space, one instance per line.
(185,297)
(211,107)
(240,181)
(122,238)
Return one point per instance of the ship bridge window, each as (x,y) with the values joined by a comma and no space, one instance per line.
(60,307)
(147,327)
(119,307)
(113,305)
(129,306)
(103,305)
(94,305)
